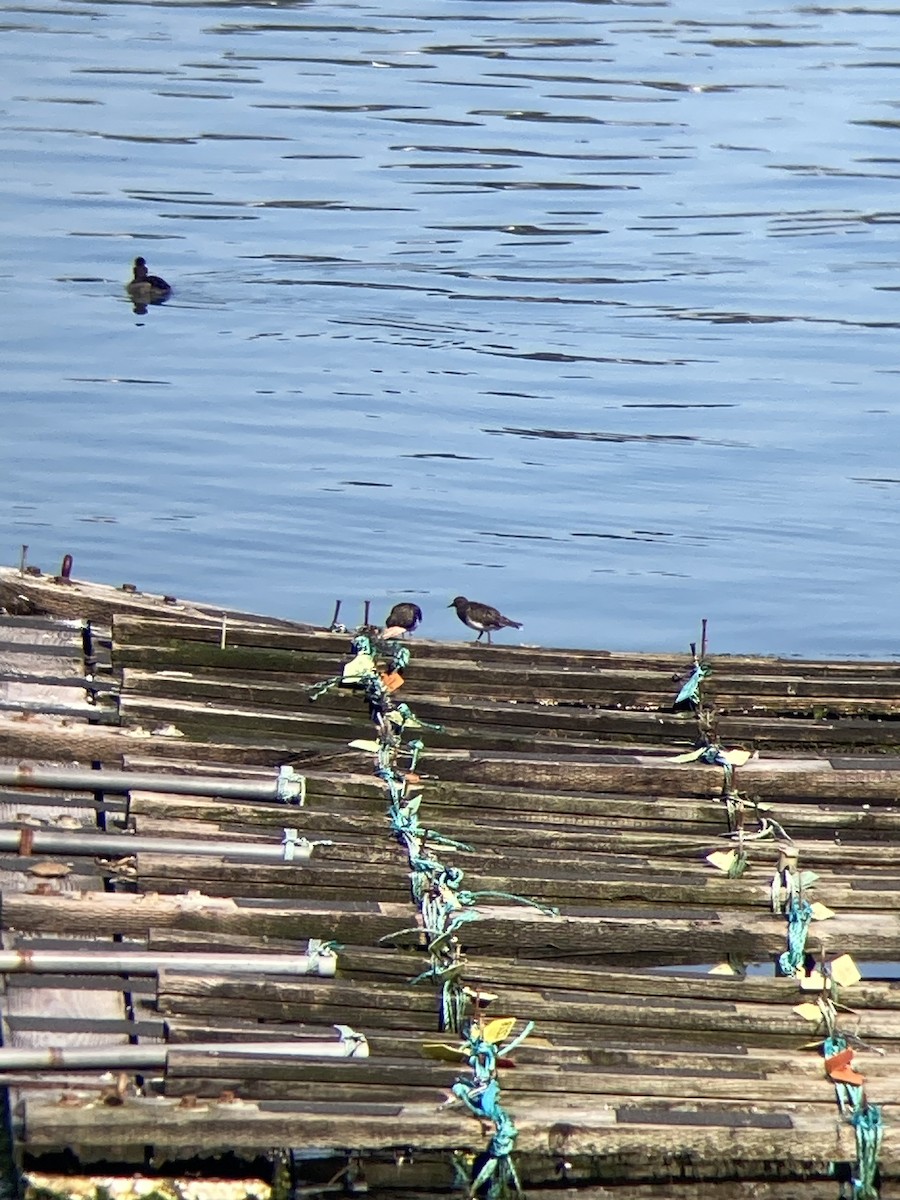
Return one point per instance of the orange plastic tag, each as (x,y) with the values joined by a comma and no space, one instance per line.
(843,1058)
(847,1075)
(392,681)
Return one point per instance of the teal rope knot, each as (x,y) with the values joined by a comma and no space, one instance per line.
(417,747)
(450,877)
(869,1129)
(399,657)
(375,692)
(715,755)
(799,915)
(481,1095)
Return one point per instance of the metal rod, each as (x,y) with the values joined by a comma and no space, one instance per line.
(292,848)
(155,1055)
(285,786)
(111,961)
(78,708)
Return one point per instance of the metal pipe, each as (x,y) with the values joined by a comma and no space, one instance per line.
(78,708)
(154,1055)
(318,960)
(287,785)
(292,847)
(127,1057)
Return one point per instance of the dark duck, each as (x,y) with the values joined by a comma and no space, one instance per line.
(404,616)
(146,288)
(482,617)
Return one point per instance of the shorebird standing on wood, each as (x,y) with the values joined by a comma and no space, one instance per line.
(403,617)
(482,617)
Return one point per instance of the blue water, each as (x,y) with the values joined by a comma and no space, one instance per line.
(586,310)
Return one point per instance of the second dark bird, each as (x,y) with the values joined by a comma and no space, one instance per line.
(403,616)
(482,617)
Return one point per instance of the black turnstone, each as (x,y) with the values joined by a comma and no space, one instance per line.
(481,617)
(145,286)
(405,616)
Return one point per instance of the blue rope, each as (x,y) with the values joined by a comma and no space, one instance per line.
(799,915)
(445,906)
(869,1129)
(319,689)
(867,1122)
(481,1096)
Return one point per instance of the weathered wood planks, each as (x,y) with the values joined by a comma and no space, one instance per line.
(553,768)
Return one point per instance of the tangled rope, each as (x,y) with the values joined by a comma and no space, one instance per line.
(376,668)
(788,898)
(481,1096)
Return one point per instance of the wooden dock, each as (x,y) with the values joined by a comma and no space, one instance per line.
(270,951)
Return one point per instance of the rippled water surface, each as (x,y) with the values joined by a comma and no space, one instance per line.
(588,310)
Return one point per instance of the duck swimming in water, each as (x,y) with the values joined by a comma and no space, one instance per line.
(145,287)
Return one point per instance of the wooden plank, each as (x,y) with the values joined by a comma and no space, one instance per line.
(562,883)
(701,936)
(808,1140)
(529,698)
(606,829)
(160,630)
(398,1006)
(371,1079)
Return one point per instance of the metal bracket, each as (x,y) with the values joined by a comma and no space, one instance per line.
(355,1044)
(294,845)
(290,787)
(319,951)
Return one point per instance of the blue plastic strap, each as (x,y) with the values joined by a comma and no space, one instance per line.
(690,689)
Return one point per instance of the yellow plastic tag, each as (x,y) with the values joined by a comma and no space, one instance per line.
(737,758)
(809,1012)
(721,859)
(356,668)
(722,968)
(361,744)
(498,1030)
(443,1052)
(820,911)
(814,982)
(844,971)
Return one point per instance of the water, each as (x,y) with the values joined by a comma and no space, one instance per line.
(587,310)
